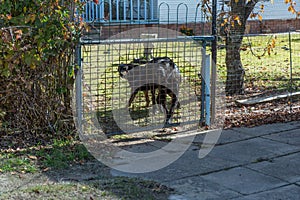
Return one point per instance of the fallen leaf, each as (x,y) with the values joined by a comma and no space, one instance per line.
(32,157)
(46,169)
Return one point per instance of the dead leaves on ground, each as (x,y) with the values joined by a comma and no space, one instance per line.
(265,113)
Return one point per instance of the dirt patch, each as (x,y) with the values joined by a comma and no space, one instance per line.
(281,110)
(90,180)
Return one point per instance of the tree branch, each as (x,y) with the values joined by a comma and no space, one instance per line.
(249,7)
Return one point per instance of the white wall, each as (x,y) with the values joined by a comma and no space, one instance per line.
(277,10)
(183,16)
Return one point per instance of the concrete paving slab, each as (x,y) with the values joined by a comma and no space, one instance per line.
(286,168)
(251,150)
(221,157)
(234,168)
(147,146)
(266,129)
(227,136)
(244,181)
(186,165)
(289,137)
(296,124)
(289,192)
(199,188)
(189,165)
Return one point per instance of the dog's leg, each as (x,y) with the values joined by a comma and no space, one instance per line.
(146,97)
(155,104)
(162,99)
(172,108)
(178,105)
(132,96)
(152,90)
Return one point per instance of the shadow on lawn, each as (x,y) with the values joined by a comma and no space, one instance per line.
(71,170)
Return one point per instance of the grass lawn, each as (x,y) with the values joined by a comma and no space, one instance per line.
(267,71)
(36,173)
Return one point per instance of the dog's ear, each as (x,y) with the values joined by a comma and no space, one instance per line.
(129,67)
(121,69)
(136,60)
(172,64)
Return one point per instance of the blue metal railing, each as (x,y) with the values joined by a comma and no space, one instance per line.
(128,11)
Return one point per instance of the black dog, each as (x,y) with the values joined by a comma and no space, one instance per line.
(123,69)
(161,74)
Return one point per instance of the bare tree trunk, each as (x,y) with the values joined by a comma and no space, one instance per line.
(235,70)
(240,10)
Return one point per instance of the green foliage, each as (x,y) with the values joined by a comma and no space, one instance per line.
(11,162)
(37,40)
(60,154)
(187,31)
(37,30)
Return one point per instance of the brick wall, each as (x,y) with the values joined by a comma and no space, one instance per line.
(274,26)
(111,30)
(254,27)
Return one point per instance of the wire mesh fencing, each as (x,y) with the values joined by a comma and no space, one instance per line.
(294,85)
(267,76)
(136,82)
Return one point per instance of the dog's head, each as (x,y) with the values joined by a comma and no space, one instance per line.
(124,68)
(168,62)
(170,69)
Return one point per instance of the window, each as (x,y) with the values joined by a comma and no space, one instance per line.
(121,11)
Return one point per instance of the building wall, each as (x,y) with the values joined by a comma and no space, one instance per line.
(254,27)
(183,11)
(273,26)
(275,9)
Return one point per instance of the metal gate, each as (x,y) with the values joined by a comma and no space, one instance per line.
(144,80)
(103,95)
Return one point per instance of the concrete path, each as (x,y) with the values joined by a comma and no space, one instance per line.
(246,164)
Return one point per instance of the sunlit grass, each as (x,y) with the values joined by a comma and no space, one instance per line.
(58,155)
(269,71)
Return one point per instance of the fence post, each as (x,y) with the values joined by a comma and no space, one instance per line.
(214,60)
(78,86)
(291,70)
(207,90)
(201,75)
